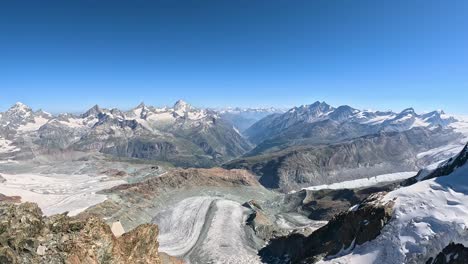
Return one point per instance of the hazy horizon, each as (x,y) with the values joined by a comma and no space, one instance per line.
(170,104)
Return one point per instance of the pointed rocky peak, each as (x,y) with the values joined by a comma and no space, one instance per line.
(437,113)
(141,110)
(318,108)
(19,107)
(181,105)
(320,105)
(93,111)
(343,113)
(43,113)
(17,113)
(141,105)
(438,118)
(346,109)
(406,115)
(408,111)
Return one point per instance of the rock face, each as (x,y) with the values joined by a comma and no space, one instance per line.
(28,237)
(451,254)
(354,227)
(367,156)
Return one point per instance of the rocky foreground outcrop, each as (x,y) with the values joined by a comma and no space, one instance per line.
(451,254)
(356,226)
(26,236)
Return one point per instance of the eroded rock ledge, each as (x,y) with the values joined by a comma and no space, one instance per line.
(26,236)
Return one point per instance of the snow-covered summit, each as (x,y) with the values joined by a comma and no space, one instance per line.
(93,111)
(22,118)
(182,106)
(389,120)
(18,109)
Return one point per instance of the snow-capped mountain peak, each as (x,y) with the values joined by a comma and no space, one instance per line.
(141,105)
(309,113)
(20,105)
(182,106)
(343,113)
(93,111)
(19,109)
(296,119)
(409,110)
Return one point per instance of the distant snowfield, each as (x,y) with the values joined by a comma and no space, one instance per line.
(365,182)
(206,230)
(428,216)
(58,193)
(33,126)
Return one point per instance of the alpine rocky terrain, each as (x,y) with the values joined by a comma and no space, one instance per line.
(422,222)
(320,144)
(28,237)
(181,135)
(314,184)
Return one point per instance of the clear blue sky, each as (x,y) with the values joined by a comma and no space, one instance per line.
(68,55)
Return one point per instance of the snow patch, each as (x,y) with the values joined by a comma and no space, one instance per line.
(33,126)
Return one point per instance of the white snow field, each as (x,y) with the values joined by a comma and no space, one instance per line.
(58,193)
(364,182)
(206,230)
(428,216)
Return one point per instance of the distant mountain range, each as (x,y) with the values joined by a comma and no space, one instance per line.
(182,134)
(322,123)
(320,144)
(306,145)
(313,184)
